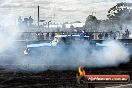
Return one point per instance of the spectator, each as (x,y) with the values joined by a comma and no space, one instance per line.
(52,35)
(100,36)
(111,35)
(38,35)
(114,35)
(41,36)
(82,34)
(106,36)
(127,33)
(47,36)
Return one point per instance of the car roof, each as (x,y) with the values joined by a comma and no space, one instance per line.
(69,36)
(37,45)
(48,44)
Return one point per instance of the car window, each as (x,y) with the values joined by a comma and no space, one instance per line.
(55,41)
(64,40)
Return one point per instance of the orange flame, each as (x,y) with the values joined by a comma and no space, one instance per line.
(81,71)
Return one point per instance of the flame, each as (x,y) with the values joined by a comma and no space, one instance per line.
(81,71)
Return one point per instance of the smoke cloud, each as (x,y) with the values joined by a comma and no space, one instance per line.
(8,33)
(112,53)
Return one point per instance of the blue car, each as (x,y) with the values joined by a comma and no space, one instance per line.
(62,43)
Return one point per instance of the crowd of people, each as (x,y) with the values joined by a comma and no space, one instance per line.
(45,36)
(92,35)
(106,35)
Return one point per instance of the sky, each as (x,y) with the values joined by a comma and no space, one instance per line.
(58,10)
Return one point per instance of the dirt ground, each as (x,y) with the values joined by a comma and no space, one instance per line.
(55,79)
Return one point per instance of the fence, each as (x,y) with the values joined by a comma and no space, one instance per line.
(38,36)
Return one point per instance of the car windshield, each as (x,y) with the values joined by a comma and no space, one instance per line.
(55,41)
(65,40)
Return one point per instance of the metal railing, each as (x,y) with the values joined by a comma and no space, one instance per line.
(38,36)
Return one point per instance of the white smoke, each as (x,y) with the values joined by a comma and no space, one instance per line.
(112,53)
(8,32)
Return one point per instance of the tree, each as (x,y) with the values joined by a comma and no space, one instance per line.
(91,23)
(120,14)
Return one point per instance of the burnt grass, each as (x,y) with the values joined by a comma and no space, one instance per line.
(55,79)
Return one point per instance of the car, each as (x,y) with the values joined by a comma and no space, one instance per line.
(62,42)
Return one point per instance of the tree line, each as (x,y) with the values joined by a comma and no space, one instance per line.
(118,17)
